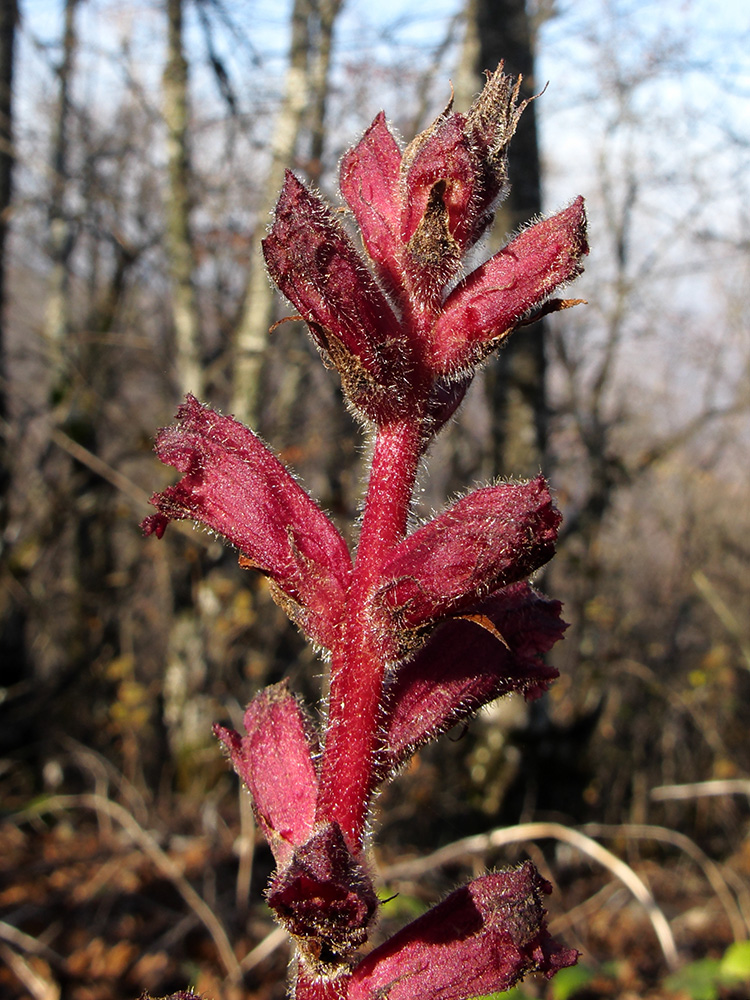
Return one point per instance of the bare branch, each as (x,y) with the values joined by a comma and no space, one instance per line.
(149,846)
(485,842)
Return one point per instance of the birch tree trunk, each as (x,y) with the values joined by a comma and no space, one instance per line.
(178,204)
(305,91)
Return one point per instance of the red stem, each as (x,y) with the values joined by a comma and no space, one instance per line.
(358,660)
(307,988)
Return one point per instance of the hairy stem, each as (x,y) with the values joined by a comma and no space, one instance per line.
(359,658)
(307,988)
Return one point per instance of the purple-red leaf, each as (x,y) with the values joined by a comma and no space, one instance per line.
(317,267)
(275,761)
(369,182)
(482,939)
(491,538)
(234,485)
(465,664)
(487,305)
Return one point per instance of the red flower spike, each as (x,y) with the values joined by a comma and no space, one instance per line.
(488,305)
(234,485)
(424,629)
(369,182)
(489,539)
(482,939)
(275,761)
(315,264)
(464,666)
(326,900)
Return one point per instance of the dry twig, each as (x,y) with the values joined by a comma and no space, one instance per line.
(644,831)
(482,843)
(699,789)
(25,942)
(149,846)
(38,986)
(273,940)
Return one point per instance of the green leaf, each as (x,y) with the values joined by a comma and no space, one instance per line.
(514,993)
(568,982)
(402,906)
(735,965)
(700,980)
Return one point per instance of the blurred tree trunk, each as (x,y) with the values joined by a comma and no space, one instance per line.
(61,229)
(305,92)
(12,651)
(179,242)
(502,30)
(8,21)
(320,67)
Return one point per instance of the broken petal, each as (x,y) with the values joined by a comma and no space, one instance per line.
(446,156)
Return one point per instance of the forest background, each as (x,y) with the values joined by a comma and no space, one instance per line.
(147,142)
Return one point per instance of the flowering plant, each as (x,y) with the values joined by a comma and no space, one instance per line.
(421,628)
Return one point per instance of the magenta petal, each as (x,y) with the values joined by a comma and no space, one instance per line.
(488,304)
(234,485)
(325,899)
(370,183)
(445,156)
(317,267)
(487,540)
(464,665)
(482,939)
(275,761)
